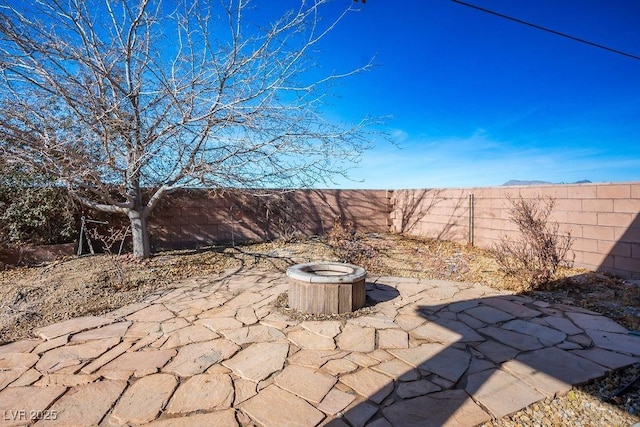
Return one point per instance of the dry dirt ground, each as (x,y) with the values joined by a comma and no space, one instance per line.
(31,297)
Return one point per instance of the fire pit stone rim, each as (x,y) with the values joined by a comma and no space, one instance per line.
(349,273)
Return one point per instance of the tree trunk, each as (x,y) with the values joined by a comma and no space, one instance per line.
(139,234)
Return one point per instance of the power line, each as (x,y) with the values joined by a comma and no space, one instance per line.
(558,33)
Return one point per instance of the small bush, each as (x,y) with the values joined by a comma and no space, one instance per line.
(113,238)
(33,211)
(348,246)
(541,250)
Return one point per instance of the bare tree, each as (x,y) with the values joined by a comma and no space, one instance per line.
(124,101)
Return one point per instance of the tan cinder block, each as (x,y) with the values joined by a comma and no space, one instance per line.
(635,251)
(569,205)
(582,191)
(586,218)
(558,216)
(529,192)
(555,191)
(502,224)
(614,248)
(492,193)
(497,204)
(626,264)
(577,258)
(595,260)
(565,229)
(597,205)
(626,205)
(615,219)
(614,191)
(635,190)
(598,233)
(585,245)
(630,234)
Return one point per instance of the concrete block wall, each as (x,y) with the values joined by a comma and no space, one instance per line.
(192,217)
(603,219)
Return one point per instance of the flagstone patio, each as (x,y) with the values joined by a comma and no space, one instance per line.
(217,352)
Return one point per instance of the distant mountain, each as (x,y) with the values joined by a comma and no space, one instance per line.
(533,182)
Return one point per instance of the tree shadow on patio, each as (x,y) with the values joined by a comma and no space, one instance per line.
(473,357)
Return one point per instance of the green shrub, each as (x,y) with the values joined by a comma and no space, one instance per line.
(32,210)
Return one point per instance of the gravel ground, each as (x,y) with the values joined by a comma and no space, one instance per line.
(31,297)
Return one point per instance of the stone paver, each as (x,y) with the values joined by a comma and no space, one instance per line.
(335,401)
(398,370)
(517,310)
(50,344)
(369,384)
(500,392)
(71,326)
(328,329)
(416,388)
(606,358)
(306,339)
(254,333)
(106,358)
(355,338)
(17,361)
(19,404)
(467,333)
(512,338)
(359,412)
(274,407)
(243,390)
(204,392)
(24,346)
(496,351)
(195,358)
(117,329)
(596,323)
(258,361)
(72,355)
(339,366)
(139,363)
(547,336)
(393,338)
(305,382)
(317,358)
(446,408)
(560,365)
(79,406)
(215,351)
(450,363)
(624,343)
(143,401)
(226,418)
(28,378)
(189,335)
(433,332)
(489,314)
(155,312)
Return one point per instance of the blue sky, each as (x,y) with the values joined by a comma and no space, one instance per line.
(477,100)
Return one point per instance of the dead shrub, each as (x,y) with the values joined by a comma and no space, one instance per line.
(113,236)
(536,256)
(349,246)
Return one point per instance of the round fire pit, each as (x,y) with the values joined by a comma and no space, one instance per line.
(326,287)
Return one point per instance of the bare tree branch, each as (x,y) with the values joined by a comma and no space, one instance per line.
(113,97)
